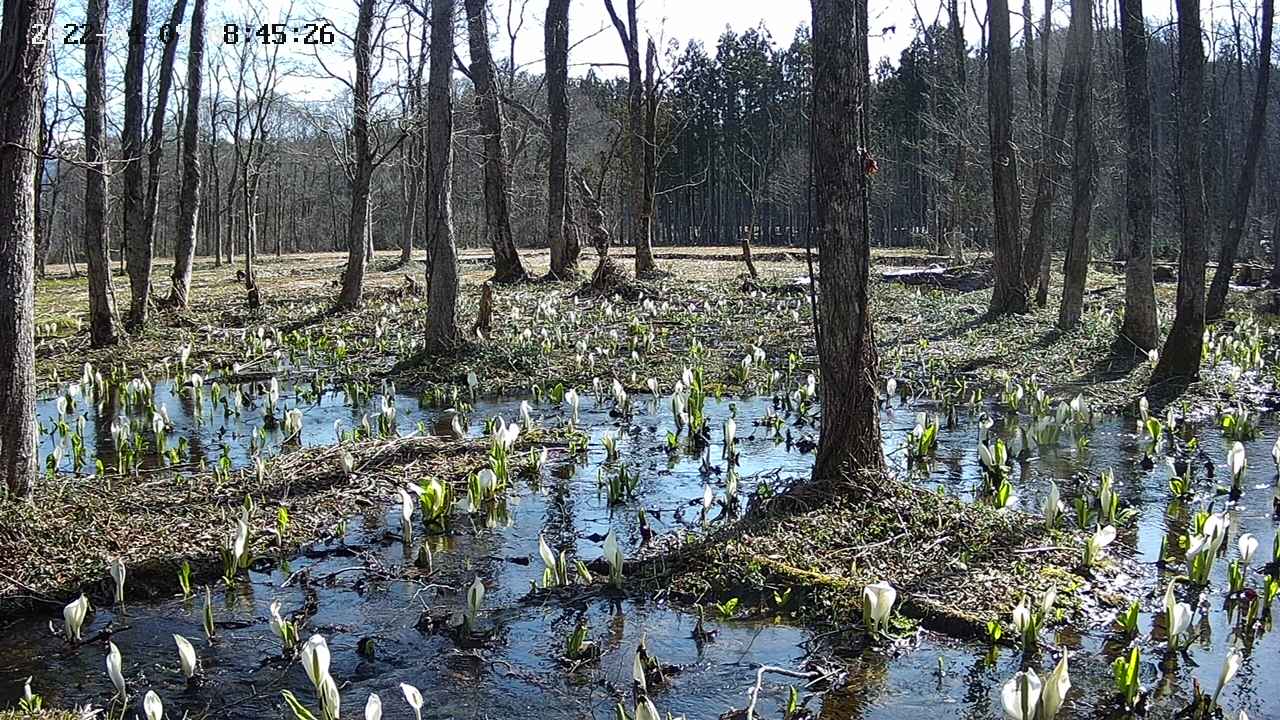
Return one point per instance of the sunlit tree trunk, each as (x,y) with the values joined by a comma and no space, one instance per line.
(189,195)
(102,331)
(1181,355)
(1248,172)
(850,435)
(564,253)
(507,267)
(442,268)
(132,199)
(21,88)
(362,172)
(633,208)
(1075,270)
(1140,323)
(1010,292)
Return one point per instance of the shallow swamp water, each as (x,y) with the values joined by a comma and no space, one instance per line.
(357,596)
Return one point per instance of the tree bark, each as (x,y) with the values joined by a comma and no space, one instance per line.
(189,195)
(21,89)
(633,209)
(564,255)
(507,267)
(1010,292)
(1181,355)
(1075,269)
(1140,322)
(132,198)
(1248,172)
(850,434)
(1036,258)
(142,249)
(102,330)
(362,172)
(442,268)
(956,234)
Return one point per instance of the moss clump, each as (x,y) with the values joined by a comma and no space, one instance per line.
(955,565)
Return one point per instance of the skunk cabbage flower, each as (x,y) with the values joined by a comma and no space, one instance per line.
(646,710)
(1178,621)
(1275,451)
(571,397)
(73,617)
(406,514)
(652,384)
(1236,461)
(348,463)
(526,418)
(1230,666)
(613,556)
(330,699)
(1055,689)
(475,598)
(1248,545)
(152,706)
(877,604)
(708,497)
(1022,615)
(413,697)
(187,653)
(891,388)
(730,433)
(373,707)
(1101,538)
(115,669)
(116,567)
(1020,695)
(315,659)
(1052,506)
(548,557)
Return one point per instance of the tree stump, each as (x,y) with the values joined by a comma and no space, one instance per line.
(484,318)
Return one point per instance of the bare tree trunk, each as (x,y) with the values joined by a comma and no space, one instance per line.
(507,267)
(1181,355)
(189,195)
(102,330)
(21,89)
(362,173)
(850,436)
(564,255)
(958,172)
(633,208)
(1248,172)
(1035,262)
(1140,323)
(133,208)
(649,203)
(442,270)
(1075,270)
(1010,292)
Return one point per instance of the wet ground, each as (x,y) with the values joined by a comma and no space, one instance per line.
(358,593)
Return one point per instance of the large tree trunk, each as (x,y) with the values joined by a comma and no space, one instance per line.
(1075,270)
(102,330)
(633,209)
(442,267)
(1248,172)
(189,196)
(1010,292)
(850,436)
(564,255)
(1140,323)
(133,202)
(648,203)
(1035,261)
(956,233)
(21,89)
(362,173)
(1181,355)
(507,267)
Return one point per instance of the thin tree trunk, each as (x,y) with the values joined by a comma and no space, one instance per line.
(1075,269)
(850,436)
(1010,292)
(442,269)
(507,267)
(1248,172)
(362,173)
(564,258)
(97,228)
(633,207)
(134,243)
(1140,323)
(1181,355)
(649,202)
(958,172)
(189,195)
(21,89)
